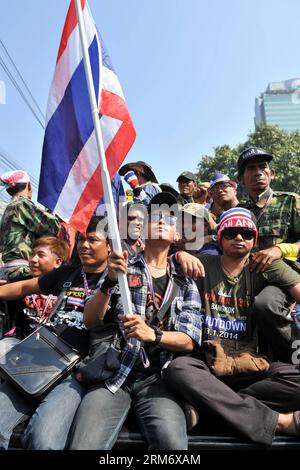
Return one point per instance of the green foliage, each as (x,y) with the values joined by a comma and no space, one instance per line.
(285,147)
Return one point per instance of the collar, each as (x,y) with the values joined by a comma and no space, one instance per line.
(138,260)
(262,198)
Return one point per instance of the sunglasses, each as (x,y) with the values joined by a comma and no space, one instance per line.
(131,218)
(231,233)
(156,217)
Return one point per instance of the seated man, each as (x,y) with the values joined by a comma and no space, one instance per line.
(131,223)
(48,253)
(196,235)
(223,192)
(150,342)
(50,424)
(259,403)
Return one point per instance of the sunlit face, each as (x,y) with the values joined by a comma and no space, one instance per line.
(93,250)
(257,175)
(43,261)
(239,245)
(223,193)
(135,222)
(186,186)
(162,226)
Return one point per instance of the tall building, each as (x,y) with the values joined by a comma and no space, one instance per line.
(279,105)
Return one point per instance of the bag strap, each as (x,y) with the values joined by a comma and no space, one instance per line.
(160,314)
(62,294)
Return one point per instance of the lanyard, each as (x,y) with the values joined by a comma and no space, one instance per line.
(168,290)
(85,282)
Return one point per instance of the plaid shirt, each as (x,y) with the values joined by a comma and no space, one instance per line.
(183,316)
(280,221)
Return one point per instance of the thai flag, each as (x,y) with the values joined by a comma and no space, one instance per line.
(70,182)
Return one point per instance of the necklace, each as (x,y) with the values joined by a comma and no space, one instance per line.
(230,274)
(157,267)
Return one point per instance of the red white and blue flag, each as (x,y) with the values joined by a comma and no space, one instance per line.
(70,181)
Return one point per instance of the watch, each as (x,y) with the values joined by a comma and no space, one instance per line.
(158,335)
(214,238)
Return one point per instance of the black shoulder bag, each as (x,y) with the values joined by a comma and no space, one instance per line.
(36,364)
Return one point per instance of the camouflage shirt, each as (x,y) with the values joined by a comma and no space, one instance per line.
(21,224)
(279,221)
(182,200)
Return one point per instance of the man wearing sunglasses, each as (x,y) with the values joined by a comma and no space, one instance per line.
(151,341)
(278,220)
(259,403)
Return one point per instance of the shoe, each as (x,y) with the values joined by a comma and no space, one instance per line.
(296,416)
(191,416)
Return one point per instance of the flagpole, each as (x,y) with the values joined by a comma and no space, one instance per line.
(109,202)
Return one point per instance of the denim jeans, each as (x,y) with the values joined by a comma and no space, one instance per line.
(101,415)
(49,426)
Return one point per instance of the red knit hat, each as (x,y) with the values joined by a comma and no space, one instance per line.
(237,218)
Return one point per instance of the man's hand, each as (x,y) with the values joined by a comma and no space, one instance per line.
(131,178)
(135,327)
(190,265)
(263,259)
(117,262)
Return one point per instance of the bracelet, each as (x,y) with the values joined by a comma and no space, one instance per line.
(108,286)
(288,250)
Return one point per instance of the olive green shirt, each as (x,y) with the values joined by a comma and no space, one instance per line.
(225,300)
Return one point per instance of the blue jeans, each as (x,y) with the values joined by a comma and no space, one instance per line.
(101,415)
(50,424)
(48,428)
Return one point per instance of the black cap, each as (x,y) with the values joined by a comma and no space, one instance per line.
(250,153)
(147,170)
(168,188)
(163,198)
(187,175)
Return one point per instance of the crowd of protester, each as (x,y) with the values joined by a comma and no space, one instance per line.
(224,272)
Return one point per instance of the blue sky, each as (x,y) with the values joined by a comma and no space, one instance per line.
(190,70)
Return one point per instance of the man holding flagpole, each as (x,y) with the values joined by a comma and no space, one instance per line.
(89,130)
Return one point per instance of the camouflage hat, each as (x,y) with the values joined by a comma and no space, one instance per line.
(187,175)
(196,210)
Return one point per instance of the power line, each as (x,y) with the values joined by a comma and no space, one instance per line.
(10,164)
(14,82)
(22,79)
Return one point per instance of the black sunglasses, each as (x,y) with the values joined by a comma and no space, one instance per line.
(231,233)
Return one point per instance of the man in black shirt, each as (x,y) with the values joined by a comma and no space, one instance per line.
(49,426)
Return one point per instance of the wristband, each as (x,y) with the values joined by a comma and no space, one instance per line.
(108,286)
(288,250)
(131,178)
(158,335)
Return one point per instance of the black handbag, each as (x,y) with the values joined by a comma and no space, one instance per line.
(36,364)
(104,358)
